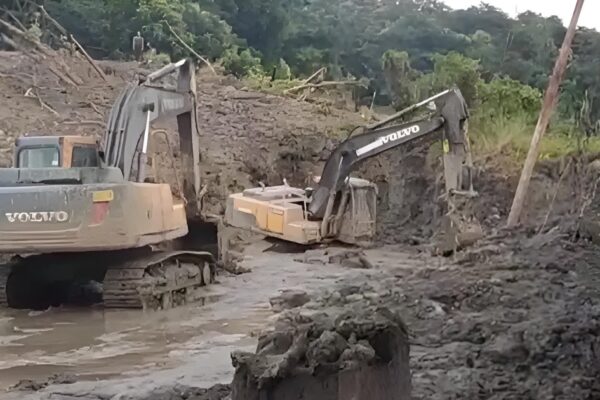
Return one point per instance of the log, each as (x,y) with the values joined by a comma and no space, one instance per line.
(323,84)
(14,31)
(87,57)
(54,22)
(313,76)
(189,48)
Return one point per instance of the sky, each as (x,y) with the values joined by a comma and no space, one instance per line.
(561,8)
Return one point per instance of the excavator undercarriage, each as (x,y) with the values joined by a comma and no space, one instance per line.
(77,213)
(138,278)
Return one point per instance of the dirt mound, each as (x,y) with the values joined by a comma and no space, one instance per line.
(359,352)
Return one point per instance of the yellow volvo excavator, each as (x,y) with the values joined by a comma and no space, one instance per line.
(77,212)
(343,208)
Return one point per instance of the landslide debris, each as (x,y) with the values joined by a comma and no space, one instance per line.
(360,352)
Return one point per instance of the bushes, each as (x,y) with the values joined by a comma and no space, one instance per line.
(507,98)
(241,63)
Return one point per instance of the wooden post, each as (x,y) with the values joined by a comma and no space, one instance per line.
(548,107)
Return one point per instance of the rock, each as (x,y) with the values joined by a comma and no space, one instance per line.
(327,349)
(354,298)
(233,267)
(326,366)
(346,258)
(505,349)
(358,353)
(33,386)
(318,257)
(289,299)
(351,259)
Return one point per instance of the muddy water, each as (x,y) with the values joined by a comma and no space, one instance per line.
(189,345)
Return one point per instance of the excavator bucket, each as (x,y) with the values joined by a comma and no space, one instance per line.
(459,227)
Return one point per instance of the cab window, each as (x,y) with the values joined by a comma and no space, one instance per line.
(39,157)
(84,156)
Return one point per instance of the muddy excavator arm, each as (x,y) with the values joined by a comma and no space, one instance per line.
(451,113)
(125,141)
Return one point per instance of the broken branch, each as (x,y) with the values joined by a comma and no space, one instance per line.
(84,122)
(31,93)
(38,52)
(551,207)
(189,48)
(54,22)
(87,57)
(15,19)
(95,108)
(323,84)
(14,31)
(313,76)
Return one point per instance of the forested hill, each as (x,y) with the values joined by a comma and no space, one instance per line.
(373,39)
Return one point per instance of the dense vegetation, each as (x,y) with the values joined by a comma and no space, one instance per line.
(404,48)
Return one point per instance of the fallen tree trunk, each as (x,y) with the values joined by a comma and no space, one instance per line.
(321,85)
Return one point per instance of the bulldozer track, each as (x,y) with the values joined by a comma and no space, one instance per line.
(160,280)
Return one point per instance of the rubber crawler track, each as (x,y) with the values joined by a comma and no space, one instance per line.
(160,280)
(5,270)
(149,280)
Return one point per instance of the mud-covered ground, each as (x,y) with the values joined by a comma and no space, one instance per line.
(515,317)
(188,346)
(512,319)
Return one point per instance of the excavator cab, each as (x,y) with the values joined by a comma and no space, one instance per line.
(56,151)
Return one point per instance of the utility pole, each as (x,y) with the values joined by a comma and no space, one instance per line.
(550,100)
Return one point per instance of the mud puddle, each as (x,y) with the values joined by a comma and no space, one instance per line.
(133,349)
(96,343)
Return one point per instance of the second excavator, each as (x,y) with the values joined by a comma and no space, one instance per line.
(341,207)
(74,212)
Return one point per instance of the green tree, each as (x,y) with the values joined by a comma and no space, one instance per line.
(508,98)
(455,69)
(242,62)
(400,77)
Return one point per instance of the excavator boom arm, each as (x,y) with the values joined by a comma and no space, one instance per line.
(144,102)
(451,112)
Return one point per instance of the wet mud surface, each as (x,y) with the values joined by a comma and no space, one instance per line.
(189,346)
(512,319)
